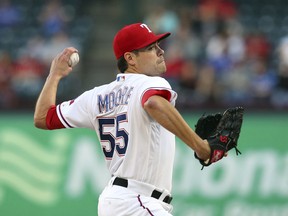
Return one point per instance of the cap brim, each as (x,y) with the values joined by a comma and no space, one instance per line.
(163,36)
(155,39)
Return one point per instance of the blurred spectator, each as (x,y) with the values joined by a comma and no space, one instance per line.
(174,58)
(263,81)
(7,96)
(189,75)
(161,19)
(217,52)
(52,46)
(223,51)
(280,95)
(45,49)
(35,46)
(6,67)
(28,76)
(236,88)
(204,24)
(181,71)
(206,84)
(282,53)
(211,15)
(189,42)
(181,53)
(9,14)
(54,17)
(227,41)
(257,46)
(218,9)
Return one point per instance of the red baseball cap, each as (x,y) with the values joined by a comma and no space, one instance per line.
(134,37)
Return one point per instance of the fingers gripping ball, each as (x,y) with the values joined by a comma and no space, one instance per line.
(222,132)
(74,59)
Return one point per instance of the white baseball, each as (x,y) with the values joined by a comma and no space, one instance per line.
(74,59)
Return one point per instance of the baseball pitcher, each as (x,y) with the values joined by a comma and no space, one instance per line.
(136,123)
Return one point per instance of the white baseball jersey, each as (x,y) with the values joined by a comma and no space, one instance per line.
(135,146)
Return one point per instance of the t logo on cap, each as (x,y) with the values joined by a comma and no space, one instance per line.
(133,37)
(145,26)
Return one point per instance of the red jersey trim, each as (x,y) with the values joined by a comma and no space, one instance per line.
(163,93)
(52,119)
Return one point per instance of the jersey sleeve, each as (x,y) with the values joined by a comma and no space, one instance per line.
(158,86)
(75,113)
(52,120)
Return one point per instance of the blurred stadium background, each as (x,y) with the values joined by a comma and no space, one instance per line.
(221,53)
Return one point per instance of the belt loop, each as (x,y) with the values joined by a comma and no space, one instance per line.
(167,199)
(156,194)
(121,182)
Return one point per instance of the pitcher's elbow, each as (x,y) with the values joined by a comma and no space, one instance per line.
(40,123)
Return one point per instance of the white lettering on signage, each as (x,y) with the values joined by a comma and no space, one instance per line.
(264,173)
(87,167)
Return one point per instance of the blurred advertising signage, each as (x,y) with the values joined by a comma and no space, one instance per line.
(44,169)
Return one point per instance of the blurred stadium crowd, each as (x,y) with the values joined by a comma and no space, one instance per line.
(219,58)
(31,34)
(221,52)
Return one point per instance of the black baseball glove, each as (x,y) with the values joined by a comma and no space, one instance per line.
(221,131)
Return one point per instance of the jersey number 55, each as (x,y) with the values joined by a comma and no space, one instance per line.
(113,137)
